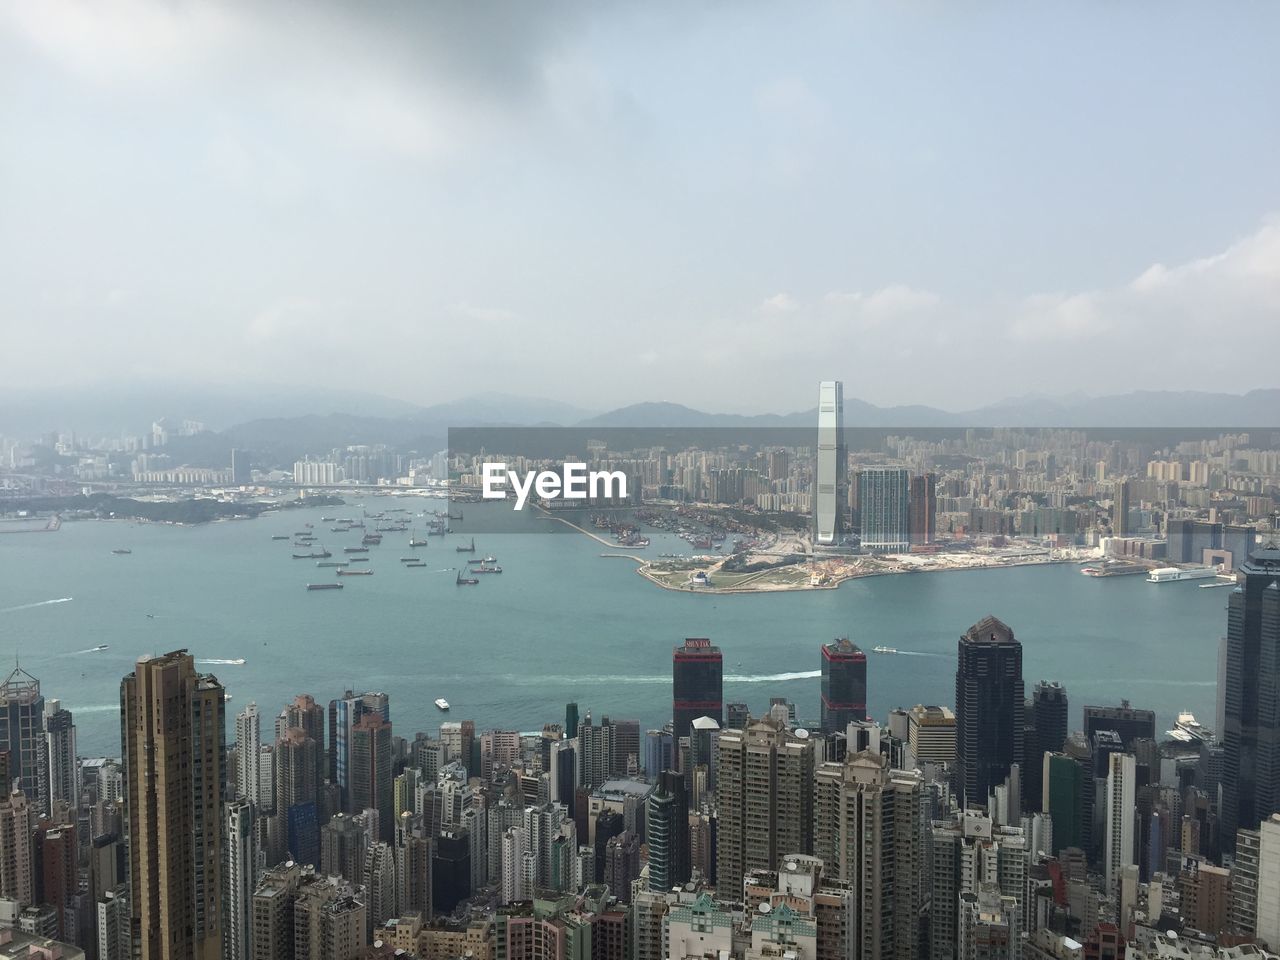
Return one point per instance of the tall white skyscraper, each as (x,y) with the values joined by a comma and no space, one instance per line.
(240,857)
(249,752)
(1121,773)
(829,477)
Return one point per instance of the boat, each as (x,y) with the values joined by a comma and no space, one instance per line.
(332,563)
(470,549)
(1093,572)
(442,703)
(408,559)
(883,649)
(322,555)
(121,550)
(419,542)
(101,646)
(490,559)
(359,559)
(466,581)
(355,573)
(324,586)
(416,563)
(486,569)
(355,549)
(454,516)
(1173,574)
(282,536)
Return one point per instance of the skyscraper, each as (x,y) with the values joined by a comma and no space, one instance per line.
(697,673)
(17,877)
(867,833)
(305,714)
(1251,738)
(884,498)
(829,476)
(1121,786)
(296,832)
(1121,504)
(764,798)
(239,863)
(22,737)
(249,754)
(1047,726)
(989,708)
(923,508)
(371,771)
(174,742)
(667,832)
(844,684)
(60,754)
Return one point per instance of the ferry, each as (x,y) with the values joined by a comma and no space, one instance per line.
(883,649)
(1172,574)
(324,586)
(442,703)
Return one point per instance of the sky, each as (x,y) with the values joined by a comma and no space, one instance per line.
(709,203)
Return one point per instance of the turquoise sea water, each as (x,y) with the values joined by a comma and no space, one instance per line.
(560,623)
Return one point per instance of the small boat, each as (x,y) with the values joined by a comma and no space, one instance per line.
(416,563)
(470,549)
(489,559)
(419,542)
(442,703)
(119,551)
(355,549)
(355,573)
(332,563)
(466,581)
(101,646)
(486,569)
(883,649)
(359,559)
(282,536)
(322,555)
(324,586)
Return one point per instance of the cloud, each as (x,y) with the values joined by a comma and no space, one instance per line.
(777,304)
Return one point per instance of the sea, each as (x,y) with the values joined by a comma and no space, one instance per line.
(562,622)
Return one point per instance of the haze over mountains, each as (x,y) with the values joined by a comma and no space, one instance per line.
(253,416)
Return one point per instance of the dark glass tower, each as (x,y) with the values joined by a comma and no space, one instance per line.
(667,833)
(697,673)
(1048,728)
(1251,740)
(989,708)
(844,685)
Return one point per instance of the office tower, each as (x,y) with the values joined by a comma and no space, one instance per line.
(1267,924)
(1121,786)
(1048,726)
(697,685)
(829,474)
(239,867)
(867,832)
(1063,788)
(667,832)
(303,713)
(736,715)
(884,498)
(371,771)
(570,720)
(60,753)
(450,870)
(1121,505)
(923,508)
(989,709)
(1128,722)
(249,754)
(1244,882)
(931,734)
(1251,739)
(658,752)
(764,798)
(988,926)
(173,727)
(22,737)
(413,866)
(970,853)
(626,748)
(844,684)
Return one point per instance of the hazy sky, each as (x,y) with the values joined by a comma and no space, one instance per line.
(712,203)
